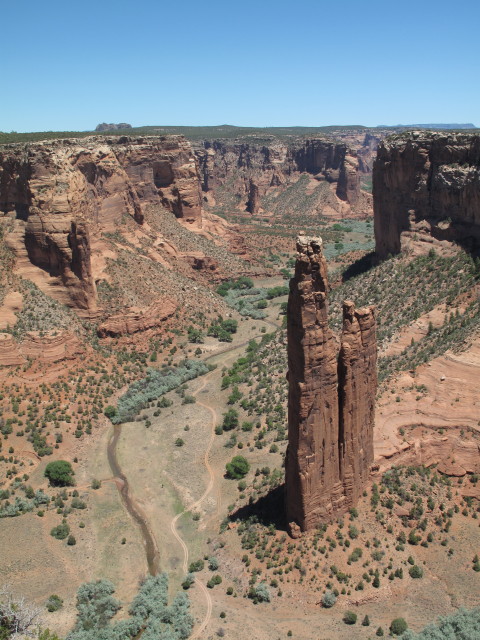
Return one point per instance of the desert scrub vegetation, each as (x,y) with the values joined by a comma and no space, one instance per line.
(453,334)
(248,300)
(258,384)
(375,544)
(43,314)
(21,504)
(156,383)
(150,614)
(402,290)
(462,625)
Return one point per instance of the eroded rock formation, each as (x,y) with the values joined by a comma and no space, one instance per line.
(60,193)
(137,319)
(45,348)
(426,184)
(331,397)
(253,170)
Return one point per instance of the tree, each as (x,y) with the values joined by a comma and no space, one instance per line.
(195,335)
(415,572)
(237,468)
(230,420)
(398,626)
(230,325)
(349,617)
(366,622)
(59,473)
(110,411)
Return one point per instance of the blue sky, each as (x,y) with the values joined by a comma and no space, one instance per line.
(70,65)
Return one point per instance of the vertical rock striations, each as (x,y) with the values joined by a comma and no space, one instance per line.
(312,466)
(331,397)
(426,185)
(357,385)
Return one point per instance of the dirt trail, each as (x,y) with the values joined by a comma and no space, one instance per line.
(197,633)
(173,525)
(151,547)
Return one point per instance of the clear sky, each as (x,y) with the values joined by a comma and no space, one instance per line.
(72,64)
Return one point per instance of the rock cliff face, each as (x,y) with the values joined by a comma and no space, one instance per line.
(331,397)
(62,192)
(428,184)
(357,384)
(252,170)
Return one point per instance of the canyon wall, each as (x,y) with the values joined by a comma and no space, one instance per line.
(427,184)
(253,169)
(331,397)
(58,194)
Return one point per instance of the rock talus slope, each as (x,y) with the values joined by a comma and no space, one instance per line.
(427,184)
(331,397)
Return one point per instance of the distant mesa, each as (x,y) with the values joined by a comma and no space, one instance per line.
(112,127)
(451,125)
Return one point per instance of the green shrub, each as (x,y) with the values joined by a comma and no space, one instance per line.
(59,473)
(329,599)
(237,468)
(54,603)
(196,566)
(61,531)
(415,572)
(349,617)
(398,626)
(259,593)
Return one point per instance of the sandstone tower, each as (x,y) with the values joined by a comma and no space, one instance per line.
(331,397)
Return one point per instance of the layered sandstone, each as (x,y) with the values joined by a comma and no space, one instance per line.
(137,319)
(62,193)
(331,397)
(427,185)
(45,348)
(253,170)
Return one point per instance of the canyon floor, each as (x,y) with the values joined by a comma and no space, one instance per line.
(153,494)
